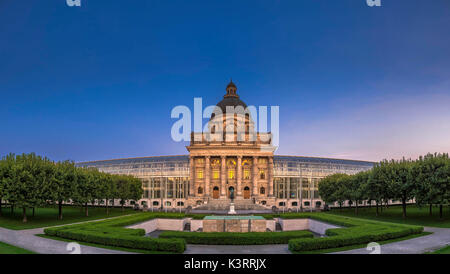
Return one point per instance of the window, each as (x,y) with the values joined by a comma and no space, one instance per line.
(155,203)
(262,160)
(200,190)
(318,204)
(231,174)
(262,174)
(246,174)
(262,190)
(263,202)
(200,161)
(200,174)
(168,203)
(281,204)
(294,204)
(306,203)
(199,202)
(216,174)
(180,204)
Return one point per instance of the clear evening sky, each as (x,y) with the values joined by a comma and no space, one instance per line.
(99,81)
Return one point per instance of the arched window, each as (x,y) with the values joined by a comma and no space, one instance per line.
(155,203)
(294,203)
(200,190)
(318,204)
(306,203)
(168,203)
(263,202)
(281,204)
(262,190)
(180,204)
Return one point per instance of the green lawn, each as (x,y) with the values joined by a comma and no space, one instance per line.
(414,215)
(444,250)
(9,249)
(48,216)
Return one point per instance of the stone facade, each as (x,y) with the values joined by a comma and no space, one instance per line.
(221,162)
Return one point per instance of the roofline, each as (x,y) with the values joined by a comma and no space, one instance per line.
(180,155)
(117,159)
(327,158)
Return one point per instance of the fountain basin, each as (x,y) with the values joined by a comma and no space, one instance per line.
(234,224)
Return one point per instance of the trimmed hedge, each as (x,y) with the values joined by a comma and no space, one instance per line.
(354,231)
(241,238)
(112,232)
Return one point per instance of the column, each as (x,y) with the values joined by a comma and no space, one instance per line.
(192,176)
(270,181)
(255,176)
(207,175)
(239,176)
(223,175)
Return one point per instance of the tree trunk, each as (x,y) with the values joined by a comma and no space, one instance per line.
(60,216)
(0,207)
(107,209)
(356,207)
(86,210)
(24,210)
(440,211)
(33,211)
(377,208)
(431,209)
(12,210)
(404,208)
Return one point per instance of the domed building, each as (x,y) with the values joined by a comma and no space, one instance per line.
(230,162)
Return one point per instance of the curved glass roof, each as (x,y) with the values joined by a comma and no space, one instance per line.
(182,158)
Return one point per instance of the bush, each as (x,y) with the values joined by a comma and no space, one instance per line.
(230,238)
(112,232)
(354,231)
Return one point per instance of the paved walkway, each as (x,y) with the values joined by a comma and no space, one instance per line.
(27,239)
(437,240)
(237,249)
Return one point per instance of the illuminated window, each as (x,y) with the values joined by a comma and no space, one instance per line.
(200,160)
(216,174)
(200,190)
(262,160)
(200,174)
(246,174)
(262,174)
(231,174)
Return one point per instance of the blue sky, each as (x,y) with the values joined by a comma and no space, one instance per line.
(99,81)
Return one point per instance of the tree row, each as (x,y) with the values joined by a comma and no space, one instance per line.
(30,181)
(425,181)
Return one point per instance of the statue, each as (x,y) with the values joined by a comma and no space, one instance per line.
(232,194)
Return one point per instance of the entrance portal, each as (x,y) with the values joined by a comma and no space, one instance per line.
(215,192)
(246,192)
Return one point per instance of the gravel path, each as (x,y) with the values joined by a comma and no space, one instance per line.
(437,240)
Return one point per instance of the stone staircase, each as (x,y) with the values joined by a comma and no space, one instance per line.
(224,204)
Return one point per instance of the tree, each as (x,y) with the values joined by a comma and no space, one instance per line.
(328,188)
(402,183)
(85,187)
(432,180)
(63,184)
(24,184)
(357,185)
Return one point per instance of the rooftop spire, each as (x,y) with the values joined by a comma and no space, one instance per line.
(231,90)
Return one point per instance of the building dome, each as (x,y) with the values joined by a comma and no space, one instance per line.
(231,98)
